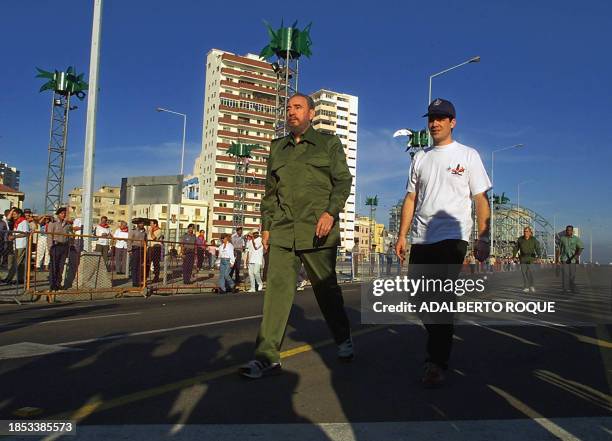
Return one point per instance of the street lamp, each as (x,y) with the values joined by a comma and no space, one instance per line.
(471,60)
(178,224)
(431,77)
(492,228)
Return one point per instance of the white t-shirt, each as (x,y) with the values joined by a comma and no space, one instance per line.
(100,230)
(226,251)
(21,240)
(446,178)
(121,235)
(255,249)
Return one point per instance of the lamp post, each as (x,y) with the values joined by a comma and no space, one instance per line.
(178,223)
(431,77)
(492,228)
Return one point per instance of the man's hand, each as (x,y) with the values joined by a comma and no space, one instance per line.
(400,249)
(482,249)
(265,240)
(325,224)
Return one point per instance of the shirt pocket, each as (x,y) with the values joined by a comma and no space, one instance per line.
(318,170)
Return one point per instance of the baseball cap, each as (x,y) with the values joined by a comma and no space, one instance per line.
(441,107)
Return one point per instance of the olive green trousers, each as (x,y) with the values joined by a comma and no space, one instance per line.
(283,267)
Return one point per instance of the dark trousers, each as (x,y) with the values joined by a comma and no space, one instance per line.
(136,265)
(155,257)
(59,253)
(187,266)
(235,272)
(201,254)
(440,260)
(120,254)
(283,269)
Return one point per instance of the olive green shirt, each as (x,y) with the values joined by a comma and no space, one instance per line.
(303,181)
(529,249)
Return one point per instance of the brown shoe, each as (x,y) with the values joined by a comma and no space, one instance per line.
(434,375)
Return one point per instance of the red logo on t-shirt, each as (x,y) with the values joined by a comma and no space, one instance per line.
(457,170)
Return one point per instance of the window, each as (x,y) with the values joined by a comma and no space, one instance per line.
(222,217)
(223,191)
(222,179)
(164,209)
(197,212)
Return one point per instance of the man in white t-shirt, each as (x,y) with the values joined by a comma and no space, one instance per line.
(103,234)
(255,254)
(443,181)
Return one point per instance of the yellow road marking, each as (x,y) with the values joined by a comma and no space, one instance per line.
(547,424)
(507,334)
(583,391)
(98,405)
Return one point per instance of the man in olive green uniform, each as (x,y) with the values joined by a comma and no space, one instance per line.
(307,184)
(527,249)
(568,253)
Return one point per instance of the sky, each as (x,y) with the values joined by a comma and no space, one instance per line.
(544,81)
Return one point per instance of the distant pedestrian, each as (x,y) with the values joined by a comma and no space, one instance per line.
(212,252)
(103,234)
(227,260)
(58,242)
(42,251)
(19,237)
(188,249)
(568,255)
(136,244)
(255,253)
(472,263)
(120,250)
(527,250)
(238,243)
(201,246)
(4,242)
(155,236)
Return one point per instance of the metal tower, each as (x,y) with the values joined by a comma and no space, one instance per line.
(242,153)
(287,44)
(372,202)
(64,85)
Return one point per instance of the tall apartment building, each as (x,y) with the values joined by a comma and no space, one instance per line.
(337,113)
(9,176)
(239,106)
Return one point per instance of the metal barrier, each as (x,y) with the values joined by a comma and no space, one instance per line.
(14,249)
(113,267)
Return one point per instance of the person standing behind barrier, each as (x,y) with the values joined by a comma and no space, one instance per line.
(136,241)
(154,251)
(212,254)
(120,235)
(255,261)
(58,240)
(527,250)
(238,243)
(227,260)
(42,251)
(201,249)
(19,237)
(4,243)
(103,233)
(188,248)
(568,254)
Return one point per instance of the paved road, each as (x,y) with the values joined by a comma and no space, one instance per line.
(165,367)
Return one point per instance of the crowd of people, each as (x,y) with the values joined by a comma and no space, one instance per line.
(57,246)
